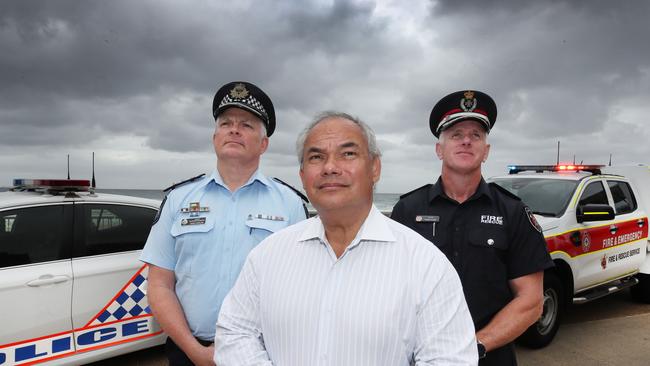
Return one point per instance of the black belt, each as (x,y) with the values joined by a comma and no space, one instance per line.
(204,343)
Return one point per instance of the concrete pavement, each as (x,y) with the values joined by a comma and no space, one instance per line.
(611,331)
(608,342)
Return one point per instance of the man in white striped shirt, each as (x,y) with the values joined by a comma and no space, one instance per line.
(349,286)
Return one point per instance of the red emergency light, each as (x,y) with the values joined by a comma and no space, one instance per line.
(570,167)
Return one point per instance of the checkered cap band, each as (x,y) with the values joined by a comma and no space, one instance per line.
(249,103)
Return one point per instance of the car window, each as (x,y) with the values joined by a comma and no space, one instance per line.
(594,193)
(32,235)
(115,228)
(546,197)
(623,197)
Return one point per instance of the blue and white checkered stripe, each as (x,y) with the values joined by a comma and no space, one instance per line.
(129,303)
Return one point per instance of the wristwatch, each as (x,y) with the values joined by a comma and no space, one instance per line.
(481,349)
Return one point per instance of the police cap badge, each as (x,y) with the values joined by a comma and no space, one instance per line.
(247,96)
(461,106)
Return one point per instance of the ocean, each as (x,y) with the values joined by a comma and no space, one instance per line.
(383,201)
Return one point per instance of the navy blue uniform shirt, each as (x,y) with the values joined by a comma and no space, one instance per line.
(489,239)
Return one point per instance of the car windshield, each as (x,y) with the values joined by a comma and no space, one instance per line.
(546,197)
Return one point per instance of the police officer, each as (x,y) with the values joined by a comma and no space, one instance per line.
(488,234)
(207,225)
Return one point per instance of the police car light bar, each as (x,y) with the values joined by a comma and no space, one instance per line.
(53,184)
(594,169)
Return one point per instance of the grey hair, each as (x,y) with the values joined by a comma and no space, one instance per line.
(262,124)
(367,132)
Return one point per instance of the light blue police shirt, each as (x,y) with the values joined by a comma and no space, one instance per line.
(205,232)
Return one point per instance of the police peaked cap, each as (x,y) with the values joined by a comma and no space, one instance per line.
(246,96)
(462,106)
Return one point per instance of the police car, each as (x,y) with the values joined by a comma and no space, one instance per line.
(72,288)
(596,230)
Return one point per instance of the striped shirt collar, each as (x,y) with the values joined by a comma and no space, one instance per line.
(374,228)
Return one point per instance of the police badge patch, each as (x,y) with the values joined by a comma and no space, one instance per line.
(532,219)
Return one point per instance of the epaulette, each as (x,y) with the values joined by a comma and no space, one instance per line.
(183,182)
(504,191)
(302,196)
(415,190)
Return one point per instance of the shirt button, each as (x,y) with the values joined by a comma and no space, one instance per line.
(455,254)
(456,228)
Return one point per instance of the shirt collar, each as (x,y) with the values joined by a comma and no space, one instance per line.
(257,176)
(437,190)
(374,228)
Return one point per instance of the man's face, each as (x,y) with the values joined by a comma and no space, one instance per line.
(338,171)
(463,147)
(238,135)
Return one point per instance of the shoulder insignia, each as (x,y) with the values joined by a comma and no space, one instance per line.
(302,196)
(183,182)
(162,204)
(504,191)
(532,219)
(415,190)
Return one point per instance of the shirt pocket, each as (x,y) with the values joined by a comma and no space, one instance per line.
(261,228)
(426,230)
(188,242)
(488,250)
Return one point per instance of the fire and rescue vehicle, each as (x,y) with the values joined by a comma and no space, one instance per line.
(595,222)
(72,288)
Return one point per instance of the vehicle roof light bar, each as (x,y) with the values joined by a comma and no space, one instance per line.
(57,185)
(594,169)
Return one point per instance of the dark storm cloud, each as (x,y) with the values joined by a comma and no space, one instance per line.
(450,7)
(556,68)
(81,74)
(130,60)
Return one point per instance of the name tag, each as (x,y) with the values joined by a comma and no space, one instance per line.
(193,221)
(266,217)
(427,218)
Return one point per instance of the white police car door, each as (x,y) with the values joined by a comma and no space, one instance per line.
(35,283)
(109,305)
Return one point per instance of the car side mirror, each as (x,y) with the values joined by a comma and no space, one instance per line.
(594,212)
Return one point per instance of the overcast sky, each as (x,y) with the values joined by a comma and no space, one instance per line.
(133,81)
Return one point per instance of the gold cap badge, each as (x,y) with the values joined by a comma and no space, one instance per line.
(239,91)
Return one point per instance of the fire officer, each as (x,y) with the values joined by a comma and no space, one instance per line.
(207,226)
(489,235)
